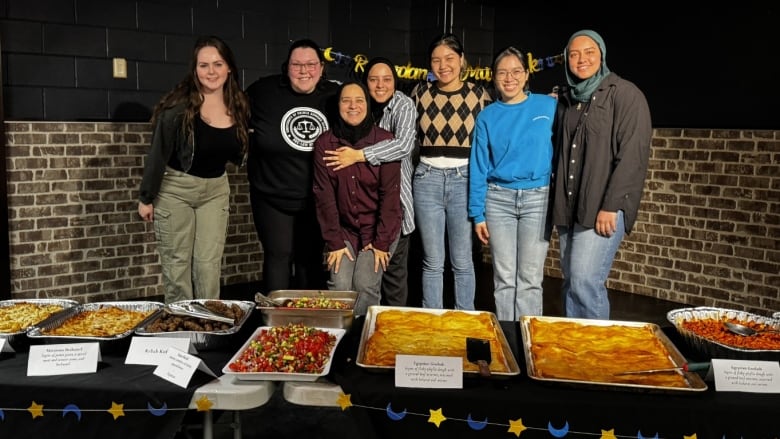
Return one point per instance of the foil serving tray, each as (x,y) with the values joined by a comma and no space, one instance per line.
(201,340)
(316,317)
(18,339)
(694,381)
(57,320)
(368,329)
(714,349)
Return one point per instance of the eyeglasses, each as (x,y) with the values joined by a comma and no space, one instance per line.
(309,66)
(515,74)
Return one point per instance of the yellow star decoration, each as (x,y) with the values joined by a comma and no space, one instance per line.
(116,410)
(35,409)
(344,401)
(516,427)
(436,417)
(608,434)
(204,404)
(693,436)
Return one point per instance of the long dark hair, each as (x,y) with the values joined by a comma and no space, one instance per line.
(188,91)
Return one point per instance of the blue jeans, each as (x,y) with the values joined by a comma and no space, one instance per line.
(359,275)
(586,258)
(519,238)
(440,206)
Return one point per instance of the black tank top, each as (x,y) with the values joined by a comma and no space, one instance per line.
(214,147)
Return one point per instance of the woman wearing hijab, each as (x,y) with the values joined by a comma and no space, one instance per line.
(359,207)
(395,112)
(602,147)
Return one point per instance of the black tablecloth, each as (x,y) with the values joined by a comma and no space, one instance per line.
(546,409)
(76,406)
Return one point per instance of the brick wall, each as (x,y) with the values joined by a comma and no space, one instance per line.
(73,222)
(708,231)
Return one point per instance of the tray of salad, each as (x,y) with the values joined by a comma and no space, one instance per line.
(293,352)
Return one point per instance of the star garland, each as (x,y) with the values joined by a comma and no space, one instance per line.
(116,410)
(515,426)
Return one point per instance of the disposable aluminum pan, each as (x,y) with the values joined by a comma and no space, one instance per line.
(201,340)
(18,339)
(37,332)
(714,349)
(316,317)
(694,381)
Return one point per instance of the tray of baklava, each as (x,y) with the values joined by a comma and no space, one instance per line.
(607,354)
(104,322)
(392,330)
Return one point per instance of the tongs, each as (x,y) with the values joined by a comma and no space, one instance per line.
(264,300)
(195,309)
(687,367)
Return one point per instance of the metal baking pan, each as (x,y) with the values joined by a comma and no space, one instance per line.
(374,310)
(55,321)
(18,339)
(316,317)
(201,340)
(694,381)
(713,349)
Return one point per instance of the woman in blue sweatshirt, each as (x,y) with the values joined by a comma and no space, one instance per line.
(509,169)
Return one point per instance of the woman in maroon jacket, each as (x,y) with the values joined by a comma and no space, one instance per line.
(359,207)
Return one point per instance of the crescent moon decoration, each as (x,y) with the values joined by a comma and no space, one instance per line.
(395,416)
(639,435)
(558,432)
(476,425)
(72,408)
(157,412)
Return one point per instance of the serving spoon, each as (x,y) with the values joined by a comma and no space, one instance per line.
(746,331)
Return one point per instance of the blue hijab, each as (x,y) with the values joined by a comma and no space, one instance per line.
(582,90)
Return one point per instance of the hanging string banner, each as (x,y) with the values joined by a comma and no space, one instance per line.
(413,73)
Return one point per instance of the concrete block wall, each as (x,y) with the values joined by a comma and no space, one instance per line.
(708,231)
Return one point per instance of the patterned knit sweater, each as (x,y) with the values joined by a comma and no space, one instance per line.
(446,118)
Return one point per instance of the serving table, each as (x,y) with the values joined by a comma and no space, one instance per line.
(122,400)
(520,406)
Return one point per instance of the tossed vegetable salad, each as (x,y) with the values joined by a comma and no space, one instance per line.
(293,348)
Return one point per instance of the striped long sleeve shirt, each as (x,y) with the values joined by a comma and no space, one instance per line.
(400,118)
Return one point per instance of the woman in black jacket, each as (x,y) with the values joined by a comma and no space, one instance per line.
(198,127)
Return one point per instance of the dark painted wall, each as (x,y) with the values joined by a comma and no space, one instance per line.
(699,69)
(706,68)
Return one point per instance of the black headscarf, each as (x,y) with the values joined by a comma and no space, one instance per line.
(377,109)
(348,132)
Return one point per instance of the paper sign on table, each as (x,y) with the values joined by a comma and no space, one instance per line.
(746,375)
(63,359)
(428,372)
(179,366)
(153,350)
(5,347)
